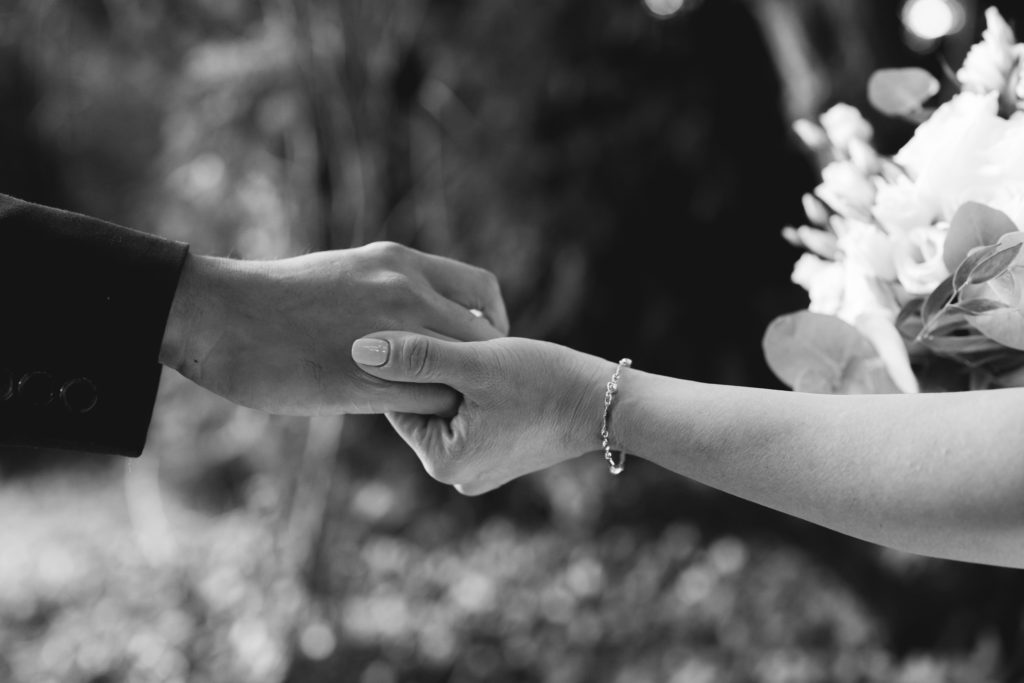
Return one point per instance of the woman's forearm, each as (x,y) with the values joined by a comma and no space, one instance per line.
(937,474)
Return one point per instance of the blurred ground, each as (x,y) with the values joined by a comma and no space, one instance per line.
(613,169)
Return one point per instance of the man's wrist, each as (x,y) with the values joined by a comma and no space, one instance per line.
(176,331)
(199,287)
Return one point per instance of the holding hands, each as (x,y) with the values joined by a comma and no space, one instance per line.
(526,405)
(302,336)
(287,337)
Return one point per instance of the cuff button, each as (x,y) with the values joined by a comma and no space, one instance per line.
(36,388)
(6,384)
(79,395)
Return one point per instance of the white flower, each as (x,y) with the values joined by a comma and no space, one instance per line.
(865,246)
(843,123)
(811,134)
(864,294)
(899,207)
(950,122)
(963,152)
(823,281)
(821,242)
(918,255)
(843,288)
(846,190)
(815,210)
(864,157)
(990,62)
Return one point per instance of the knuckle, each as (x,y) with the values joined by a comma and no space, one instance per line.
(387,248)
(397,288)
(388,253)
(400,283)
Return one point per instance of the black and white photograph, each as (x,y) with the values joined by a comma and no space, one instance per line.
(449,341)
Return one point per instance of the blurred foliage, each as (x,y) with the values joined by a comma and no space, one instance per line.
(614,170)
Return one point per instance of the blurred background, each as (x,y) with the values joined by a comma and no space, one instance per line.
(625,168)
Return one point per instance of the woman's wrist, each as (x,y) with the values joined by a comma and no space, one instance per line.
(586,402)
(627,410)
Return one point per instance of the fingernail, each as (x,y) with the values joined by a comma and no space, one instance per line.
(370,351)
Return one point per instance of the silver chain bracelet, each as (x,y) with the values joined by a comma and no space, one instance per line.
(614,466)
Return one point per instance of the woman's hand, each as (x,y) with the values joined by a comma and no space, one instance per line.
(275,335)
(526,404)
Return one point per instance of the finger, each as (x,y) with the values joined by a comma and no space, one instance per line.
(411,398)
(455,321)
(410,357)
(478,488)
(470,286)
(427,436)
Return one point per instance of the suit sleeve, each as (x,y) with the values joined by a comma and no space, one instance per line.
(83,306)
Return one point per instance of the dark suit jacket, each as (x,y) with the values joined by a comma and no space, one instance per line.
(84,304)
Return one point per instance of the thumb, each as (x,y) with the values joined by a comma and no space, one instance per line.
(409,357)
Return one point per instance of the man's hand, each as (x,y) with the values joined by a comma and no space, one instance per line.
(526,404)
(275,335)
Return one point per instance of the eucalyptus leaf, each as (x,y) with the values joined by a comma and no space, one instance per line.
(937,300)
(973,258)
(1004,325)
(822,354)
(978,306)
(950,322)
(901,92)
(995,265)
(964,344)
(973,225)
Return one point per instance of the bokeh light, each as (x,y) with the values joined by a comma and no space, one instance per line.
(664,8)
(932,19)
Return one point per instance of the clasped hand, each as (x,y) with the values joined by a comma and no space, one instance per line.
(290,337)
(526,405)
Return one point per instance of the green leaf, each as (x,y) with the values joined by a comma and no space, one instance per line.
(909,322)
(937,300)
(901,92)
(977,306)
(995,265)
(822,354)
(973,225)
(963,344)
(975,256)
(1004,325)
(949,322)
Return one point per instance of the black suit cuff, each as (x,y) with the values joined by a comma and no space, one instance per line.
(86,303)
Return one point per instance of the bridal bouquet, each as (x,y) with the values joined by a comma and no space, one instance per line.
(914,263)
